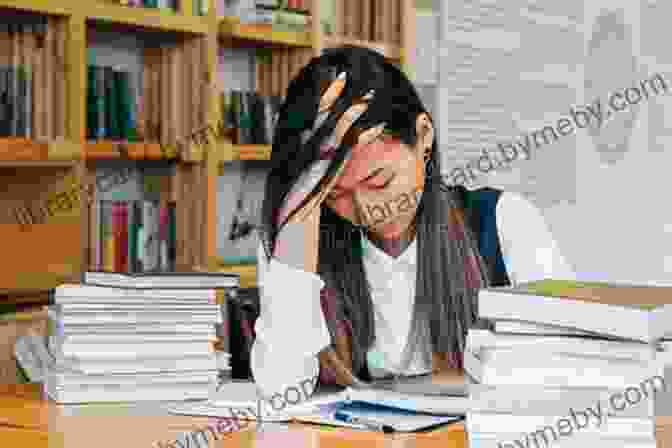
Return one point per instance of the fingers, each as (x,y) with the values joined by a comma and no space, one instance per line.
(333,92)
(349,117)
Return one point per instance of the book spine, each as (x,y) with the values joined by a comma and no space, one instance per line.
(365,6)
(13,82)
(5,62)
(163,234)
(30,77)
(196,79)
(395,23)
(150,244)
(172,237)
(111,112)
(108,246)
(123,101)
(165,94)
(47,77)
(101,106)
(91,103)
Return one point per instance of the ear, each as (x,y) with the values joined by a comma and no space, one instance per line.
(425,132)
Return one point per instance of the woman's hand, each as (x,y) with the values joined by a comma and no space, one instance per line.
(298,240)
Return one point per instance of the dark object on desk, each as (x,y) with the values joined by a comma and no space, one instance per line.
(243,312)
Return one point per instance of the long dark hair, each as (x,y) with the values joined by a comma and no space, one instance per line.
(450,270)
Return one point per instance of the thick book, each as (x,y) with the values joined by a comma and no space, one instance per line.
(631,312)
(116,287)
(543,400)
(517,368)
(165,280)
(484,341)
(521,424)
(120,350)
(524,328)
(158,392)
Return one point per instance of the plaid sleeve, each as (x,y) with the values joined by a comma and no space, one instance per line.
(338,328)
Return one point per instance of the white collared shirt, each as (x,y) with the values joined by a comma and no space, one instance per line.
(285,349)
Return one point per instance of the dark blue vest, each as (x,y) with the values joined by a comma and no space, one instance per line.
(480,215)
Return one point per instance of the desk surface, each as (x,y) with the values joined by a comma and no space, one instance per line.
(29,420)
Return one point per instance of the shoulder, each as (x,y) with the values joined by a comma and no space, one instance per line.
(516,206)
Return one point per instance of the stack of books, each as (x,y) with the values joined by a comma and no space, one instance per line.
(122,337)
(569,364)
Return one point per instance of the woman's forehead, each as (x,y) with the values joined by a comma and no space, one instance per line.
(367,157)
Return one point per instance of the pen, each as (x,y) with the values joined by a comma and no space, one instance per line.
(368,424)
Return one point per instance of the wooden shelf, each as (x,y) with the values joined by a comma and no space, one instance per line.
(151,18)
(39,6)
(392,51)
(109,150)
(229,152)
(231,30)
(18,151)
(247,272)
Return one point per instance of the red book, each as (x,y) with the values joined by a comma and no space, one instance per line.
(120,232)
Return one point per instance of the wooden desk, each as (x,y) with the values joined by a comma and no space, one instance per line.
(30,421)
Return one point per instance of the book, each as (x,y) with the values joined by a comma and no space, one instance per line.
(117,287)
(484,341)
(166,280)
(504,326)
(630,312)
(505,368)
(116,393)
(111,105)
(543,400)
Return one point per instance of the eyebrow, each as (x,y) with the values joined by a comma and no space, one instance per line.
(373,174)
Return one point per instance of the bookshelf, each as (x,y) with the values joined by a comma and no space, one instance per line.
(33,168)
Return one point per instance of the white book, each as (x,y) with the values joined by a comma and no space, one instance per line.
(64,379)
(139,365)
(129,350)
(522,424)
(135,338)
(638,312)
(573,440)
(36,359)
(164,280)
(515,367)
(480,341)
(195,329)
(159,392)
(94,293)
(137,319)
(140,306)
(510,326)
(543,400)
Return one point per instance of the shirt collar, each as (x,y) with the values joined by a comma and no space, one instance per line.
(372,254)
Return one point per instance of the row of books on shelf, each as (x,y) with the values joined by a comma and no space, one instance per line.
(280,19)
(372,20)
(135,236)
(112,103)
(32,76)
(160,4)
(251,115)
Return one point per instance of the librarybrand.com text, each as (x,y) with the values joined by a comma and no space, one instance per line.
(597,415)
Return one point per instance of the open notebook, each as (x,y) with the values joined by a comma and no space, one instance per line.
(400,411)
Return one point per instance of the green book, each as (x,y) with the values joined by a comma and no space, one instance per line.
(101,131)
(91,102)
(111,109)
(123,99)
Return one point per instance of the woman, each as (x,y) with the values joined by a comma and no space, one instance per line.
(368,267)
